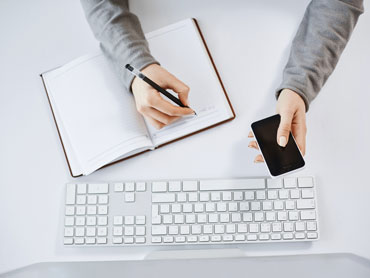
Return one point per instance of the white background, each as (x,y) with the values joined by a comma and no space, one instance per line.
(249,41)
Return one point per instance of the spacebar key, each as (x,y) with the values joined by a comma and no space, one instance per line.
(237,184)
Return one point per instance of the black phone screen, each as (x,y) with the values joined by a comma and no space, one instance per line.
(279,160)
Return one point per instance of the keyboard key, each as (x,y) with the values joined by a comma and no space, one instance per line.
(216,238)
(140,220)
(117,231)
(240,237)
(204,196)
(305,204)
(293,215)
(185,230)
(102,231)
(79,240)
(68,232)
(181,197)
(68,241)
(226,196)
(80,221)
(227,238)
(267,205)
(164,208)
(129,230)
(118,187)
(276,227)
(243,206)
(233,206)
(167,219)
(270,216)
(190,218)
(251,237)
(196,229)
(294,194)
(311,226)
(300,226)
(81,199)
(129,187)
(264,237)
(180,239)
(159,230)
(242,228)
(288,227)
(274,183)
(189,185)
(101,240)
(103,199)
(247,217)
(210,207)
(117,220)
(156,219)
(253,228)
(102,220)
(97,188)
(90,231)
(305,182)
(176,208)
(283,194)
(287,236)
(255,206)
(187,208)
(275,236)
(282,215)
(91,210)
(230,228)
(198,207)
(219,229)
(236,217)
(215,196)
(69,210)
(159,186)
(193,197)
(92,199)
(307,193)
(102,210)
(238,196)
(221,206)
(80,231)
(174,186)
(71,194)
(224,218)
(259,217)
(141,187)
(289,205)
(312,235)
(260,195)
(156,239)
(117,240)
(129,220)
(91,221)
(192,238)
(204,238)
(163,198)
(249,195)
(173,230)
(237,184)
(202,218)
(207,229)
(80,210)
(308,215)
(140,239)
(128,240)
(179,219)
(290,182)
(299,235)
(272,195)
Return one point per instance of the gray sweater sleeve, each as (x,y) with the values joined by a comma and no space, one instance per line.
(120,35)
(321,37)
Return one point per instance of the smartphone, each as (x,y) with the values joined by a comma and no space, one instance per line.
(279,160)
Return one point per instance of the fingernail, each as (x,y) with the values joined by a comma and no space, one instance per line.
(257,161)
(282,141)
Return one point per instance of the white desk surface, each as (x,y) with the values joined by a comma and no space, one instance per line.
(249,41)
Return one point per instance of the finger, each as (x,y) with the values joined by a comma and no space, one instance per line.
(155,123)
(253,144)
(259,159)
(250,134)
(300,138)
(160,117)
(180,88)
(157,102)
(284,128)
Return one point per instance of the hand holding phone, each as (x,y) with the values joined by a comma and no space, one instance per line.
(279,160)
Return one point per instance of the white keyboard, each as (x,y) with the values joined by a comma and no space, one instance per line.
(191,212)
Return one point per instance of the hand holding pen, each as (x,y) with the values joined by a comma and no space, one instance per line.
(147,89)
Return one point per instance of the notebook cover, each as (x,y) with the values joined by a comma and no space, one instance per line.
(219,79)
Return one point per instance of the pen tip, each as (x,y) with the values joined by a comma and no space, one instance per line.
(195,113)
(128,67)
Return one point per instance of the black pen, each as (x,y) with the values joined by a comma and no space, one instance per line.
(140,75)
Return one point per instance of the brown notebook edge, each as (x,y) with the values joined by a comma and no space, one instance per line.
(177,139)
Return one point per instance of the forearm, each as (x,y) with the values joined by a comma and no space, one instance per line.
(120,35)
(321,37)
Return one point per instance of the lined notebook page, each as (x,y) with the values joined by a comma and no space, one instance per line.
(98,118)
(180,50)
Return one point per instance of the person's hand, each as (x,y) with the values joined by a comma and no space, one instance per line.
(292,110)
(149,102)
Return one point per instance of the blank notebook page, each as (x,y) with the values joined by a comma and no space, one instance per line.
(180,49)
(97,117)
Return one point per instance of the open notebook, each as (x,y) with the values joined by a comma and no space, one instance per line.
(97,119)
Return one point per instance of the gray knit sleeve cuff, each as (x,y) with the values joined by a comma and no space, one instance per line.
(296,88)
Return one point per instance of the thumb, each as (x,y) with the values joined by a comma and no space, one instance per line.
(284,128)
(180,88)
